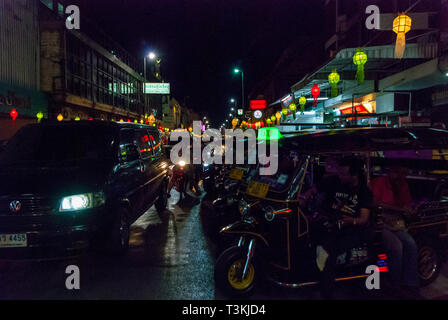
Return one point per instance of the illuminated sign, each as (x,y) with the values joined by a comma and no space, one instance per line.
(258,104)
(157,88)
(258,114)
(360,109)
(240,112)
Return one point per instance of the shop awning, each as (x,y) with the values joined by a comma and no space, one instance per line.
(381,63)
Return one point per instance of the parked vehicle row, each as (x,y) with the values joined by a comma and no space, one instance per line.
(66,186)
(273,234)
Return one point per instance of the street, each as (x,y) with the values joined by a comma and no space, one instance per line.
(169,259)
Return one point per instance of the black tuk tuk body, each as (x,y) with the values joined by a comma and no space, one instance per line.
(274,231)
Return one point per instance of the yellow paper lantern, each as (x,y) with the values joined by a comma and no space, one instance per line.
(60,117)
(401,25)
(293,109)
(234,122)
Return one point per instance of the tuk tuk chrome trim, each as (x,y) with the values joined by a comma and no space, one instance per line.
(257,235)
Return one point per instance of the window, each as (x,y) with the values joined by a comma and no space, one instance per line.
(60,9)
(157,144)
(48,3)
(144,144)
(128,149)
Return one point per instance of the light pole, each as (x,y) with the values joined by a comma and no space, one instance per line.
(150,56)
(236,70)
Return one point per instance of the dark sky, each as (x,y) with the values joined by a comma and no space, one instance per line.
(200,41)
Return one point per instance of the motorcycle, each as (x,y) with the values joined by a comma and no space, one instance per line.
(178,179)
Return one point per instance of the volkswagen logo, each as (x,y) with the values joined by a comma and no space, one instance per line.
(15,206)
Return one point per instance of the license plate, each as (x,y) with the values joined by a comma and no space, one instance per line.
(257,189)
(236,174)
(14,240)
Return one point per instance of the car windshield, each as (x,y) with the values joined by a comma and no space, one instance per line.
(53,145)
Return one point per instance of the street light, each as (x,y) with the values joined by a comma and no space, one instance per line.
(150,56)
(236,71)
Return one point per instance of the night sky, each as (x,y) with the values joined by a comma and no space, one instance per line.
(200,41)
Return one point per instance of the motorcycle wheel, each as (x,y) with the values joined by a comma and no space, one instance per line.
(429,261)
(228,270)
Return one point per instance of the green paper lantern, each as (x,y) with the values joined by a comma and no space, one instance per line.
(360,59)
(302,102)
(273,118)
(39,116)
(293,109)
(334,78)
(77,118)
(284,112)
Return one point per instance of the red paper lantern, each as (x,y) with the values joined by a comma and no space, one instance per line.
(13,114)
(315,92)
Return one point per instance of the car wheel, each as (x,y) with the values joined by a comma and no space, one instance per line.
(429,261)
(162,201)
(228,270)
(118,242)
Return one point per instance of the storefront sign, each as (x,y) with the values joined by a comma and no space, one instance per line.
(258,114)
(258,104)
(12,100)
(26,102)
(157,88)
(359,109)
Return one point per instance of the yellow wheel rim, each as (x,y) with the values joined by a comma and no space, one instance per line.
(233,275)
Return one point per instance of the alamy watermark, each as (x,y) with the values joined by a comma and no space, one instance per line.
(73,21)
(216,150)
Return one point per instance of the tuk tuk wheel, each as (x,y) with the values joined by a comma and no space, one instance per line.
(229,269)
(429,262)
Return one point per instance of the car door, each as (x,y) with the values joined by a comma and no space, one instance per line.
(159,165)
(147,159)
(128,171)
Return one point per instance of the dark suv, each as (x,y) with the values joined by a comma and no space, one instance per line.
(68,184)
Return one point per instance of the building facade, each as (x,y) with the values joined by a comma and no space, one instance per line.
(20,93)
(87,79)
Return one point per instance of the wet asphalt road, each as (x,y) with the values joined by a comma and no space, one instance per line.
(169,259)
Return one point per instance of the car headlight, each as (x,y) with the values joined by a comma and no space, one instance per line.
(82,201)
(243,207)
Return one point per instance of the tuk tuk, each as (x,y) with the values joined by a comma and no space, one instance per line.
(273,235)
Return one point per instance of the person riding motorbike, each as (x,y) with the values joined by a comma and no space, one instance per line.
(343,222)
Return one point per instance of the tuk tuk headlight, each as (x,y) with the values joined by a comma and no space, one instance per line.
(269,213)
(243,207)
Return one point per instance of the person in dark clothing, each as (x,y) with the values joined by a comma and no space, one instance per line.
(346,206)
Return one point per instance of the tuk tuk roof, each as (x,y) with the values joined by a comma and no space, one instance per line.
(367,139)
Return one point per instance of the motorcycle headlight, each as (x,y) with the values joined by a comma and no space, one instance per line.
(82,201)
(243,207)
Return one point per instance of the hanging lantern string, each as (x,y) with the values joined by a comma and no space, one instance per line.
(412,7)
(379,33)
